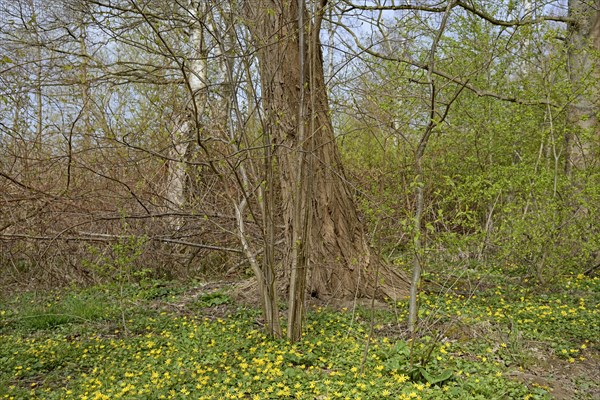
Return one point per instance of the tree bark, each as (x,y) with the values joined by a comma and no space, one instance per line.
(341,263)
(186,125)
(584,41)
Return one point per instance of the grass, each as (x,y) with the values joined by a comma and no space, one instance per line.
(506,341)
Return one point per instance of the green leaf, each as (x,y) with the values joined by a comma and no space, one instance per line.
(434,380)
(393,364)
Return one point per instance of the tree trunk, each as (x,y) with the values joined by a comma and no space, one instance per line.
(340,260)
(584,41)
(186,125)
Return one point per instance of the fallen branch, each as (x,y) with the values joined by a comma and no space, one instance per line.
(105,238)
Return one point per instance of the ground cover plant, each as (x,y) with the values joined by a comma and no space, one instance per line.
(497,340)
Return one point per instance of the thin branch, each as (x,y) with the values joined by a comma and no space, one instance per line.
(465,6)
(102,237)
(424,66)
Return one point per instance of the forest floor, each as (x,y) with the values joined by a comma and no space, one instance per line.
(485,337)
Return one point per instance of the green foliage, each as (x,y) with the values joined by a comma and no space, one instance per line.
(494,171)
(213,299)
(153,290)
(398,360)
(480,341)
(33,312)
(118,263)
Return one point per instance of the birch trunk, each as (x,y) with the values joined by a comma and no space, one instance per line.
(187,124)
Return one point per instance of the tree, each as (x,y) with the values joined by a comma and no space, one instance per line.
(584,50)
(325,238)
(187,124)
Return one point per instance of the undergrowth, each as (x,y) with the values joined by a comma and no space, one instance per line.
(162,344)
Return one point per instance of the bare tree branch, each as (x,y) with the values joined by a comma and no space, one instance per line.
(462,4)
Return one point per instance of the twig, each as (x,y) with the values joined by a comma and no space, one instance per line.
(103,237)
